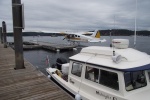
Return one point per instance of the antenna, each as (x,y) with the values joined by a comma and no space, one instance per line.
(110,38)
(111,45)
(113,48)
(135,24)
(114,21)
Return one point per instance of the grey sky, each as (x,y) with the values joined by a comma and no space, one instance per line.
(79,15)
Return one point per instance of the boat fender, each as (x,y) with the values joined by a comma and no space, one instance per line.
(58,73)
(77,97)
(49,76)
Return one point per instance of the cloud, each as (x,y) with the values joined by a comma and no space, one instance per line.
(64,15)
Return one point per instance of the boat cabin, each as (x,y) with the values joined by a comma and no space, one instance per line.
(106,73)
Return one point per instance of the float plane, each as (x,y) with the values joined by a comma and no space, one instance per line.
(83,37)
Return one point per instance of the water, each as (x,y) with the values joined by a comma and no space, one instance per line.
(38,57)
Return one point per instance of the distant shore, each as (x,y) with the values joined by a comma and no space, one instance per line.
(114,32)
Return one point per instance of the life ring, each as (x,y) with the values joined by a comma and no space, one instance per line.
(58,73)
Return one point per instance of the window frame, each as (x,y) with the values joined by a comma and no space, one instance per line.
(90,79)
(134,80)
(148,73)
(80,70)
(117,89)
(105,69)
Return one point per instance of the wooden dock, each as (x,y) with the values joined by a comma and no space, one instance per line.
(29,45)
(25,84)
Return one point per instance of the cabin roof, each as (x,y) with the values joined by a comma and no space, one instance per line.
(132,60)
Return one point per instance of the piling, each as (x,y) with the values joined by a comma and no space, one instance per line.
(4,34)
(17,28)
(1,35)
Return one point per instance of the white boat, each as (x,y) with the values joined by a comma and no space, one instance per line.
(106,73)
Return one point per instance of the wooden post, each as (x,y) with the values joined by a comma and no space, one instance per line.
(17,28)
(1,34)
(4,34)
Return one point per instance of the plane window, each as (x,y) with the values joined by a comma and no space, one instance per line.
(76,69)
(134,80)
(75,35)
(78,36)
(92,74)
(109,79)
(71,35)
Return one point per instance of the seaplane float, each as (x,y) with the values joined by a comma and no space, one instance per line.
(105,73)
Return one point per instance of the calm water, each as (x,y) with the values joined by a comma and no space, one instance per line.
(38,57)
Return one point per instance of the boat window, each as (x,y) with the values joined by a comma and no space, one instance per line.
(109,79)
(134,80)
(92,74)
(76,69)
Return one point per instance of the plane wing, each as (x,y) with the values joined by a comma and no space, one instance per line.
(77,33)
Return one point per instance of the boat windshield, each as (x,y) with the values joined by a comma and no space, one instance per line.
(134,80)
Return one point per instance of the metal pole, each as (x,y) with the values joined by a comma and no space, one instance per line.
(4,34)
(18,43)
(135,24)
(1,34)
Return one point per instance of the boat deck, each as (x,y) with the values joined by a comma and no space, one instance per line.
(25,84)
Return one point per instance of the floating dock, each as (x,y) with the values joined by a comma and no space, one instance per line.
(25,84)
(46,45)
(56,47)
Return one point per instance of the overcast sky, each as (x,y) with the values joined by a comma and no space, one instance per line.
(79,15)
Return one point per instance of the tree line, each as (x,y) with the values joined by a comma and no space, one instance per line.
(124,32)
(113,32)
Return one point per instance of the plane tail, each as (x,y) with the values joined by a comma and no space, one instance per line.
(96,34)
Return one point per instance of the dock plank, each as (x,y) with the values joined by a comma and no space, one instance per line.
(25,84)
